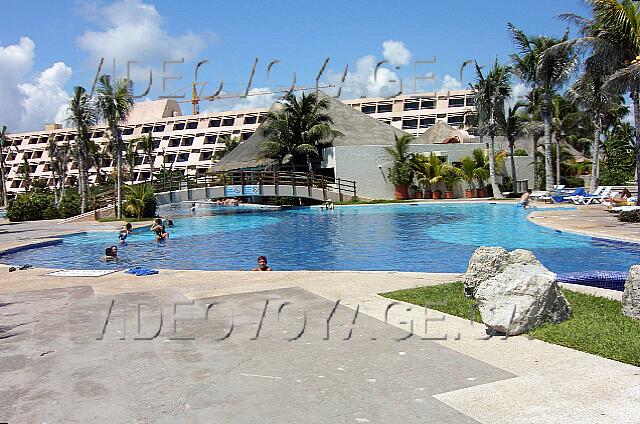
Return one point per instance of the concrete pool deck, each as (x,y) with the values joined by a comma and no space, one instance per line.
(54,369)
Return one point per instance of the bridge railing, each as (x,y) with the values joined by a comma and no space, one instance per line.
(258,178)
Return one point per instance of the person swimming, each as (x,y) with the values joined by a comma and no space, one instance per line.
(525,199)
(111,253)
(262,264)
(169,223)
(157,224)
(161,234)
(125,231)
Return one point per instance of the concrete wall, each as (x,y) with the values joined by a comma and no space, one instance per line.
(369,166)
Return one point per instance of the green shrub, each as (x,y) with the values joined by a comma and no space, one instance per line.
(520,152)
(630,216)
(69,206)
(141,202)
(29,206)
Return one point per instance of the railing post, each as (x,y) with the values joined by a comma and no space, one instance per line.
(339,190)
(324,187)
(309,184)
(276,183)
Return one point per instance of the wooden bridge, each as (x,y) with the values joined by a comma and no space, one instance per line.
(253,184)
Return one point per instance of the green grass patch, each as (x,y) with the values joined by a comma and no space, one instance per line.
(597,325)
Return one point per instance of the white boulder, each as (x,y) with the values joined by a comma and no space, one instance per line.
(520,298)
(631,295)
(487,262)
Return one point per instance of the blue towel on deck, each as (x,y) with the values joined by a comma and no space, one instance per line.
(140,271)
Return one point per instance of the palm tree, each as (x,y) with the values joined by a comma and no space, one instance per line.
(4,144)
(512,125)
(613,36)
(138,197)
(301,129)
(147,145)
(230,142)
(131,157)
(490,92)
(114,103)
(546,63)
(82,113)
(98,157)
(24,170)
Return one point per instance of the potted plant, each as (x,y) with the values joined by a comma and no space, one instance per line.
(401,173)
(417,192)
(468,171)
(481,172)
(436,172)
(424,172)
(450,176)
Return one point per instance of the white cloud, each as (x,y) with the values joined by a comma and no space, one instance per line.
(133,30)
(45,99)
(259,97)
(28,103)
(450,83)
(396,53)
(364,81)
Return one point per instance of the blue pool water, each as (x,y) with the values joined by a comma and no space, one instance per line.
(422,238)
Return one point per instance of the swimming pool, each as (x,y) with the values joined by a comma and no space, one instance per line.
(420,238)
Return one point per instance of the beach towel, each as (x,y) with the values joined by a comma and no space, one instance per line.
(140,271)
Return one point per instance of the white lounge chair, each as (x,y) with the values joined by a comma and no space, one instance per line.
(597,196)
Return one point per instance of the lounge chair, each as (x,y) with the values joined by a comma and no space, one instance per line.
(617,209)
(597,196)
(580,191)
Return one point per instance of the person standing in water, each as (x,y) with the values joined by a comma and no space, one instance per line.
(262,264)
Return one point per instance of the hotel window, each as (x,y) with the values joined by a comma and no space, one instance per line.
(98,134)
(178,126)
(127,131)
(192,125)
(33,141)
(228,122)
(187,141)
(174,142)
(471,101)
(210,139)
(169,158)
(206,155)
(409,124)
(250,120)
(428,104)
(145,175)
(156,143)
(158,128)
(214,123)
(385,107)
(368,108)
(146,129)
(36,155)
(456,119)
(411,105)
(245,136)
(427,122)
(456,102)
(183,157)
(60,138)
(262,117)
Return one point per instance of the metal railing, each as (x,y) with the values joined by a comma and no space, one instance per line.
(258,178)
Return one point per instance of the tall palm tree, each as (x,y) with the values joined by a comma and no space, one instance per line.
(613,37)
(490,92)
(131,157)
(114,103)
(303,126)
(547,69)
(4,144)
(147,145)
(82,113)
(512,125)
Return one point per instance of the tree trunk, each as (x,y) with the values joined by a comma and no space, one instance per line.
(557,161)
(595,156)
(514,180)
(309,164)
(81,186)
(636,118)
(3,180)
(535,163)
(492,169)
(118,172)
(548,161)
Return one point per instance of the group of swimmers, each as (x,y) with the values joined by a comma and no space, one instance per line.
(159,227)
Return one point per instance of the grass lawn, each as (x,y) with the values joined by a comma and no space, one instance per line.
(597,325)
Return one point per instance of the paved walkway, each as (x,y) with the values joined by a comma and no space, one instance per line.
(592,220)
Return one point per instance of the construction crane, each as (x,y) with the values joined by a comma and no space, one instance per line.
(196,94)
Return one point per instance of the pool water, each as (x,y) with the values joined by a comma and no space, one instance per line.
(420,238)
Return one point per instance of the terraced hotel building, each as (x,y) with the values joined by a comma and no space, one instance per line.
(187,143)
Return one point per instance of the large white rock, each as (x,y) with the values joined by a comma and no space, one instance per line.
(631,295)
(487,262)
(520,298)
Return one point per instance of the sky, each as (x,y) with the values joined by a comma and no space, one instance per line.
(47,47)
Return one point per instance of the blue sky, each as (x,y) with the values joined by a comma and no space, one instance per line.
(66,40)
